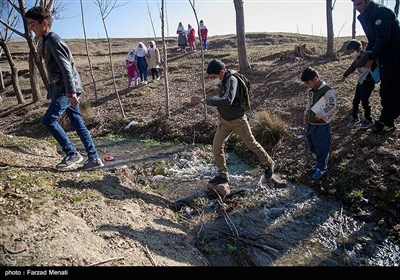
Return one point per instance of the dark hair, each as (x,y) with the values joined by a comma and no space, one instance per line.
(309,74)
(353,45)
(215,66)
(39,14)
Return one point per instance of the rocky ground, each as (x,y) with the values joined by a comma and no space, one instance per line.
(364,169)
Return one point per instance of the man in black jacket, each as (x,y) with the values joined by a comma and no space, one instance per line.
(382,29)
(64,90)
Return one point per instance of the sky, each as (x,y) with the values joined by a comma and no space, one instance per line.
(131,19)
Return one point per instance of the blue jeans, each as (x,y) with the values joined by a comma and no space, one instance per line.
(58,105)
(319,142)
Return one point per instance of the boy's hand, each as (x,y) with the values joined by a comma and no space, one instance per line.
(73,101)
(197,99)
(305,119)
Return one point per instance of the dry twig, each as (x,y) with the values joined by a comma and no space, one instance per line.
(150,256)
(106,261)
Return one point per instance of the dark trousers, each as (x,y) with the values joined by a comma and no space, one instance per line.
(319,142)
(390,92)
(363,93)
(154,73)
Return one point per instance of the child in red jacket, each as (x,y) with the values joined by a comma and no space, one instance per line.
(191,37)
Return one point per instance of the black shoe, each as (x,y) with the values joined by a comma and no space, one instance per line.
(218,180)
(269,171)
(92,163)
(70,161)
(381,128)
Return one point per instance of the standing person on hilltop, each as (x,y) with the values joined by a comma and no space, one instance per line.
(203,35)
(364,88)
(182,39)
(64,90)
(191,38)
(381,26)
(319,111)
(131,68)
(232,119)
(154,60)
(141,59)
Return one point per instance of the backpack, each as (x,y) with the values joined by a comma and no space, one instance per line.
(244,85)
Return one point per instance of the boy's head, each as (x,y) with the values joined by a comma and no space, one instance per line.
(39,20)
(353,45)
(216,69)
(310,77)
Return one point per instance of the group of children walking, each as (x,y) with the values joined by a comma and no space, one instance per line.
(139,60)
(188,37)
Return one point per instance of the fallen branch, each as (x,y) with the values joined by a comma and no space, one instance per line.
(106,261)
(149,255)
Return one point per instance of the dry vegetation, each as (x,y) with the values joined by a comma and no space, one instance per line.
(364,169)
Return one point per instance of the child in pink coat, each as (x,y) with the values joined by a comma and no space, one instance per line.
(131,68)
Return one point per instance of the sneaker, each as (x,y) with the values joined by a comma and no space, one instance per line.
(92,163)
(381,128)
(218,180)
(69,161)
(318,174)
(365,124)
(353,122)
(269,171)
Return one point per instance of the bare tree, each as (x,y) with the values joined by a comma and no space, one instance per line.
(87,53)
(353,24)
(244,64)
(5,34)
(203,88)
(329,24)
(36,95)
(8,13)
(106,7)
(32,46)
(151,19)
(165,60)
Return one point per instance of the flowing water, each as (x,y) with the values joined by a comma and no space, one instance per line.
(261,225)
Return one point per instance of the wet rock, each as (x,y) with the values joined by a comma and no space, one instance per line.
(220,189)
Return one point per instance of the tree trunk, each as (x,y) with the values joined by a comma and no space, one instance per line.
(396,8)
(88,55)
(329,24)
(111,63)
(14,73)
(165,62)
(353,25)
(1,81)
(36,94)
(203,87)
(244,64)
(28,37)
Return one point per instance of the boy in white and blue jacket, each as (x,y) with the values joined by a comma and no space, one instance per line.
(317,121)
